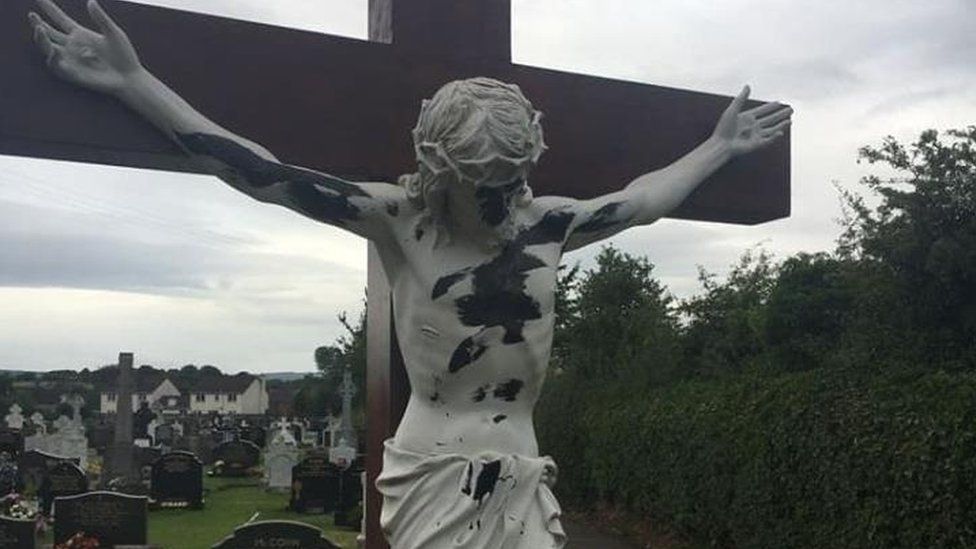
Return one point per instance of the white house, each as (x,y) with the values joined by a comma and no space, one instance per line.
(149,389)
(240,394)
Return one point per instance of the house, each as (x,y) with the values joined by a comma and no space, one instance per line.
(240,394)
(153,388)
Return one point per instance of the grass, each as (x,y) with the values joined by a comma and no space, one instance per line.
(229,503)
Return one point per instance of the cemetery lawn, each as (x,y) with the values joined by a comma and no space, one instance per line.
(229,502)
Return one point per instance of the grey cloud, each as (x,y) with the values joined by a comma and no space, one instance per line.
(46,254)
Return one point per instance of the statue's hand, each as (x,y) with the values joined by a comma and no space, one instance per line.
(747,131)
(102,62)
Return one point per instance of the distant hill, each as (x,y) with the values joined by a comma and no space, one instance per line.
(285,376)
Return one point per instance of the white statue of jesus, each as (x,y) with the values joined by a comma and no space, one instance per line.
(471,257)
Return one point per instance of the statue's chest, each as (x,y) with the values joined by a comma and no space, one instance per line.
(513,284)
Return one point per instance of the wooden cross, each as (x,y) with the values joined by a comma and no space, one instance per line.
(347,106)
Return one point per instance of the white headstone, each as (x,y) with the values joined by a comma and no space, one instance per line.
(15,420)
(280,457)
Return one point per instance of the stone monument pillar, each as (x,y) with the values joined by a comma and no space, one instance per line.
(121,462)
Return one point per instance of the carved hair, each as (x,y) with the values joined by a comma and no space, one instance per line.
(478,130)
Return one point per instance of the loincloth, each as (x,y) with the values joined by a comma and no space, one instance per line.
(490,501)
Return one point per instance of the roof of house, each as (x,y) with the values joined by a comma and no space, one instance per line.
(235,384)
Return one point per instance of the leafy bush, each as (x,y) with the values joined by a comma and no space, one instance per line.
(824,458)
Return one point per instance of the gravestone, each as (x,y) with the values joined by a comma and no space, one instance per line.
(177,481)
(238,456)
(34,466)
(164,435)
(255,434)
(110,517)
(16,534)
(279,534)
(63,479)
(15,419)
(11,441)
(279,459)
(350,497)
(120,461)
(314,485)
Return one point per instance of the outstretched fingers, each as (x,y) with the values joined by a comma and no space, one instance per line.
(102,20)
(776,117)
(51,51)
(39,24)
(60,19)
(777,128)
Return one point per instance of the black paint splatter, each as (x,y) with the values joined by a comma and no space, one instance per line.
(320,196)
(480,393)
(494,202)
(499,418)
(393,209)
(444,283)
(509,390)
(435,397)
(418,232)
(466,353)
(498,297)
(487,478)
(602,218)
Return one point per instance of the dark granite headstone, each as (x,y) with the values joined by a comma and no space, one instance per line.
(34,465)
(177,480)
(255,434)
(238,456)
(63,479)
(278,534)
(11,441)
(110,517)
(16,534)
(348,512)
(314,485)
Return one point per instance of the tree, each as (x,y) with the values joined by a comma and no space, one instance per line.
(924,233)
(726,324)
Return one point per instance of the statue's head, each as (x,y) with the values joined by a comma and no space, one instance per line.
(478,136)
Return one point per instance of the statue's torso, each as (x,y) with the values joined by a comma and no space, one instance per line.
(475,329)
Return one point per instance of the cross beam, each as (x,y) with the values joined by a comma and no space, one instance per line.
(346,106)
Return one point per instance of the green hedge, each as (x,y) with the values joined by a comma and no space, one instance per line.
(813,459)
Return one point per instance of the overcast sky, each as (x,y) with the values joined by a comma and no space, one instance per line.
(181,269)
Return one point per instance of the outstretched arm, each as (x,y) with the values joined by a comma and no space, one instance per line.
(106,61)
(652,195)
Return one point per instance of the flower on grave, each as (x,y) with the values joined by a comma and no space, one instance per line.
(79,541)
(18,507)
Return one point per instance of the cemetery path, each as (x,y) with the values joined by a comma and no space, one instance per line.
(582,536)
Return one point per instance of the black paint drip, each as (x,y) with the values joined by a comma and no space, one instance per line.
(602,218)
(498,295)
(319,196)
(499,418)
(509,390)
